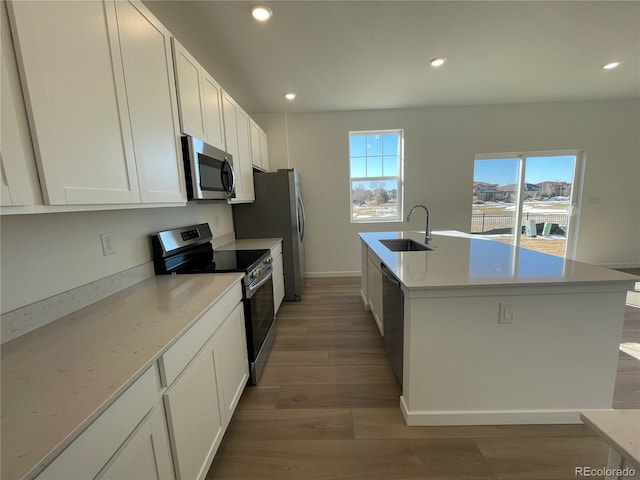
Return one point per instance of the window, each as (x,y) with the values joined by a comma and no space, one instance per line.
(375,161)
(527,199)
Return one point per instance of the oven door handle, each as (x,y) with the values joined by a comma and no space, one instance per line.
(251,290)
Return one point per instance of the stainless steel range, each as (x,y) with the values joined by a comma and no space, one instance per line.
(188,250)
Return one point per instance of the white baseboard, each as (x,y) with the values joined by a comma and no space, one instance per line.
(331,274)
(495,417)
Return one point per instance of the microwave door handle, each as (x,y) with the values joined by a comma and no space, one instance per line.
(229,169)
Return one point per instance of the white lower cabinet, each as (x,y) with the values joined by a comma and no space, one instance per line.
(201,400)
(278,277)
(374,290)
(106,439)
(232,364)
(145,455)
(196,423)
(169,423)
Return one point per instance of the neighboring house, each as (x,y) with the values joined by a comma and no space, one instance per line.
(484,192)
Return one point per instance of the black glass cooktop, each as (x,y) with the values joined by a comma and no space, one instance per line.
(219,261)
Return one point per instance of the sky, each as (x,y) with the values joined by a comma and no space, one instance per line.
(504,171)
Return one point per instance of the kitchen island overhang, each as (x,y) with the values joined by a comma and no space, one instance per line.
(554,357)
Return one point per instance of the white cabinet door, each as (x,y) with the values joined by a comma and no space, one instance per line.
(19,182)
(256,154)
(264,151)
(199,99)
(151,97)
(74,89)
(259,147)
(196,422)
(231,360)
(247,193)
(146,453)
(189,85)
(374,290)
(94,447)
(236,128)
(278,285)
(278,276)
(212,104)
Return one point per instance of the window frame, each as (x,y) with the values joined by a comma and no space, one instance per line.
(398,178)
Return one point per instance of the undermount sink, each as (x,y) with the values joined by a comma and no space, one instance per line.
(404,245)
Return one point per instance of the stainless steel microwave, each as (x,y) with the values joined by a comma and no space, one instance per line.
(209,170)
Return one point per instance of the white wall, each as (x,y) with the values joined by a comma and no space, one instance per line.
(44,255)
(440,144)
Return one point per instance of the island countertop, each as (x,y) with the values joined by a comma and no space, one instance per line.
(457,260)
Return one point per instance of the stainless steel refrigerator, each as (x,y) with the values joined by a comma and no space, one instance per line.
(278,211)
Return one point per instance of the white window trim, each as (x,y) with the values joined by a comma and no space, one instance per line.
(399,179)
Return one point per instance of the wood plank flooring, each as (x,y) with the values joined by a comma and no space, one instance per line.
(327,407)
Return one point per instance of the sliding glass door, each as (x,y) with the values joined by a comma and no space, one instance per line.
(527,200)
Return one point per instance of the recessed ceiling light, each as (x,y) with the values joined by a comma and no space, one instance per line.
(438,62)
(612,65)
(290,96)
(261,13)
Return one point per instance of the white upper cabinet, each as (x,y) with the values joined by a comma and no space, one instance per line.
(19,179)
(264,151)
(256,155)
(151,97)
(236,126)
(212,95)
(75,93)
(98,89)
(259,151)
(189,81)
(199,99)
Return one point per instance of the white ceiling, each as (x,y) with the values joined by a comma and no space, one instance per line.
(340,55)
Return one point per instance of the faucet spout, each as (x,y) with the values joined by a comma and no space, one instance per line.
(427,230)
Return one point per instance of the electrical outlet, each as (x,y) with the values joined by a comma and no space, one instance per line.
(506,313)
(108,247)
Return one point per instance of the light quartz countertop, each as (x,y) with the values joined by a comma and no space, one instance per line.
(250,244)
(57,379)
(461,260)
(620,429)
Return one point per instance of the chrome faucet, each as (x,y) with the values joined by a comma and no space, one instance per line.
(427,231)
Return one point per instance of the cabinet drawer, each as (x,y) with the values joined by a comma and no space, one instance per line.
(88,453)
(277,250)
(181,353)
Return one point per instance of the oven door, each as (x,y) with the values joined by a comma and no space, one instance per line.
(260,326)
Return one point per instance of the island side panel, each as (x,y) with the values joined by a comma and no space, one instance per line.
(557,358)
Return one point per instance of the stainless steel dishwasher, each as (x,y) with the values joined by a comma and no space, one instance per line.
(393,315)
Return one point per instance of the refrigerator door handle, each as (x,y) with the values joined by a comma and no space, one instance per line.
(301,219)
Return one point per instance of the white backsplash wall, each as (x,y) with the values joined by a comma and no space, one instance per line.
(440,144)
(47,254)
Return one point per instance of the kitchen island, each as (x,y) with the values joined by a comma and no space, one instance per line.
(495,334)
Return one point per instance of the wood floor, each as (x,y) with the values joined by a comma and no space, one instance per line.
(327,407)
